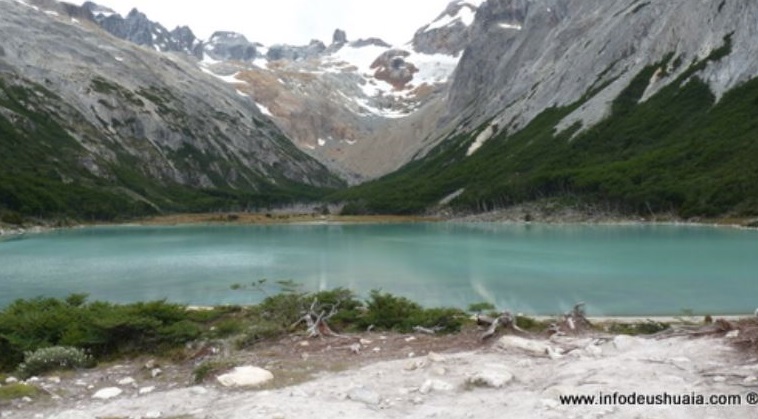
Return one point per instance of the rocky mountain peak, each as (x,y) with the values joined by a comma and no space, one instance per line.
(450,32)
(339,37)
(295,53)
(364,42)
(230,46)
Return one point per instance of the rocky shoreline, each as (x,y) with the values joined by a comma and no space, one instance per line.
(525,377)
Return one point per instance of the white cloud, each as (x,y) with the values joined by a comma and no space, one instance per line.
(291,21)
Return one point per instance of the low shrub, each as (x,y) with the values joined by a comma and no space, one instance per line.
(390,312)
(54,358)
(640,328)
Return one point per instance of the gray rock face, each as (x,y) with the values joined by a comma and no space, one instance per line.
(137,28)
(233,46)
(528,55)
(295,53)
(129,107)
(363,42)
(448,33)
(184,40)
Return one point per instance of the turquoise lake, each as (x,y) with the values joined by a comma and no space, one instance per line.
(534,269)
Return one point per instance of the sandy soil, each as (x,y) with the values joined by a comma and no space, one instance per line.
(419,376)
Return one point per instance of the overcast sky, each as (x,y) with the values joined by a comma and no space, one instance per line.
(293,22)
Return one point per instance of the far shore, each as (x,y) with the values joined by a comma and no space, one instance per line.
(524,214)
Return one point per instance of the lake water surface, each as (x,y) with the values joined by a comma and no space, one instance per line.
(535,269)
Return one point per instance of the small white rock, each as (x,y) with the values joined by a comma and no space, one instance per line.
(719,379)
(156,372)
(377,349)
(11,380)
(54,379)
(107,393)
(146,390)
(198,391)
(153,415)
(247,376)
(304,343)
(410,338)
(491,379)
(593,350)
(415,364)
(364,395)
(439,371)
(26,399)
(733,334)
(435,357)
(126,381)
(435,385)
(365,342)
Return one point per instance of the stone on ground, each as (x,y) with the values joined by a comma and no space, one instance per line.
(247,376)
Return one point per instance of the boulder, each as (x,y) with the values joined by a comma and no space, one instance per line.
(107,393)
(247,376)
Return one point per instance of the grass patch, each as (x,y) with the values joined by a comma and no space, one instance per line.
(17,391)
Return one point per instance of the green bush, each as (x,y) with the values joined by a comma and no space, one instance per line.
(103,329)
(228,327)
(385,311)
(443,320)
(389,312)
(54,358)
(257,332)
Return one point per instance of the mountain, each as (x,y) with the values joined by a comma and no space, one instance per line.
(633,106)
(95,127)
(351,104)
(629,105)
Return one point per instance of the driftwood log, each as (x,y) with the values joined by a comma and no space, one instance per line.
(507,320)
(316,320)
